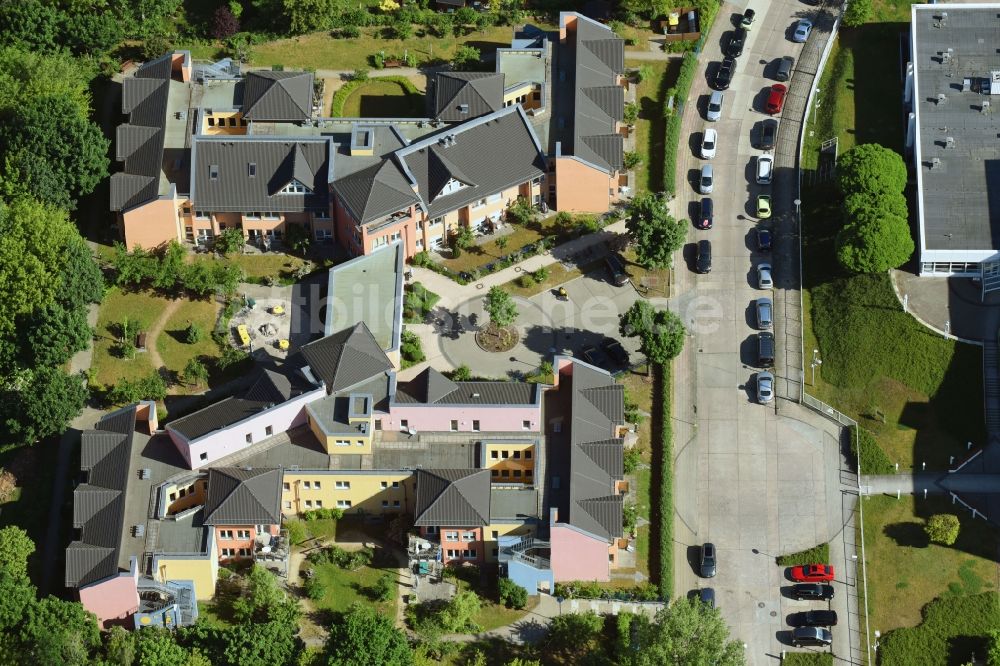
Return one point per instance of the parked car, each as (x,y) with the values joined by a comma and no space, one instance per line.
(812,573)
(765,349)
(703,263)
(765,387)
(707,566)
(707,596)
(765,315)
(763,238)
(705,182)
(724,73)
(767,135)
(708,139)
(594,357)
(748,17)
(763,206)
(811,636)
(816,591)
(705,209)
(802,30)
(814,618)
(616,270)
(785,67)
(714,111)
(765,169)
(776,98)
(614,349)
(737,39)
(764,280)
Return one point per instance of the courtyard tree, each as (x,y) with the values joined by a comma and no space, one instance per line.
(874,243)
(512,595)
(943,528)
(661,333)
(15,549)
(224,22)
(261,593)
(231,240)
(365,637)
(55,333)
(858,12)
(466,59)
(462,240)
(655,233)
(873,168)
(501,309)
(45,401)
(688,632)
(195,372)
(573,636)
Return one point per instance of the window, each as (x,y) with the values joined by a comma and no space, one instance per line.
(385,503)
(321,214)
(243,534)
(200,215)
(249,438)
(420,225)
(505,473)
(527,454)
(453,553)
(525,425)
(294,187)
(420,242)
(517,455)
(184,492)
(309,504)
(378,424)
(273,216)
(324,234)
(475,426)
(469,554)
(203,456)
(189,234)
(252,169)
(269,430)
(494,454)
(432,530)
(436,221)
(342,442)
(288,505)
(343,485)
(454,426)
(404,423)
(479,204)
(253,215)
(504,454)
(493,198)
(286,486)
(528,473)
(395,484)
(495,534)
(611,557)
(316,485)
(232,121)
(468,536)
(226,534)
(211,121)
(244,552)
(451,536)
(243,122)
(496,552)
(494,472)
(344,504)
(319,504)
(227,552)
(173,496)
(517,474)
(385,484)
(395,503)
(213,171)
(307,485)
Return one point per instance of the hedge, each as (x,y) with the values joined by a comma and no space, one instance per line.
(807,659)
(661,501)
(873,459)
(583,589)
(679,92)
(816,555)
(953,628)
(340,97)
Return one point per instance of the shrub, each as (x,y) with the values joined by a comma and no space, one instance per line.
(630,517)
(512,595)
(689,66)
(229,241)
(593,590)
(296,531)
(127,391)
(350,32)
(315,589)
(865,447)
(527,280)
(943,528)
(230,357)
(816,555)
(350,560)
(410,349)
(461,374)
(632,460)
(949,633)
(194,333)
(466,58)
(385,588)
(541,275)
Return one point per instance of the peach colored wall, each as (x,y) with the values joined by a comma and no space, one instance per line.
(346,226)
(460,545)
(236,542)
(151,225)
(112,599)
(577,555)
(581,188)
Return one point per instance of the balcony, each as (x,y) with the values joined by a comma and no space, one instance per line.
(271,552)
(527,550)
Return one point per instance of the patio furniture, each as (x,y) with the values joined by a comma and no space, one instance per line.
(278,311)
(283,344)
(241,330)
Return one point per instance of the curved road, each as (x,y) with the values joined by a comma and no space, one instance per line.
(757,481)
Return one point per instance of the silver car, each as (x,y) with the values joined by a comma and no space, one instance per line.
(706,181)
(802,30)
(765,387)
(765,314)
(764,280)
(714,106)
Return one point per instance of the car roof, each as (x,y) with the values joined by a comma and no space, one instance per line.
(710,131)
(707,168)
(716,95)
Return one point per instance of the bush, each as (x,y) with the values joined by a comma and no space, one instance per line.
(630,517)
(410,349)
(950,632)
(512,595)
(315,589)
(661,549)
(323,514)
(578,589)
(229,241)
(527,281)
(230,357)
(680,90)
(193,334)
(385,588)
(816,555)
(350,560)
(943,528)
(127,391)
(865,447)
(807,659)
(378,61)
(296,531)
(541,275)
(633,458)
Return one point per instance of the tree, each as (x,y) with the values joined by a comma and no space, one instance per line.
(119,646)
(309,15)
(457,615)
(156,646)
(870,167)
(262,643)
(502,243)
(501,308)
(439,25)
(91,32)
(859,204)
(193,334)
(631,113)
(661,333)
(461,240)
(384,588)
(230,241)
(993,649)
(512,595)
(943,528)
(874,243)
(655,233)
(297,238)
(466,59)
(521,211)
(133,268)
(53,631)
(261,593)
(858,12)
(195,372)
(44,405)
(365,637)
(461,374)
(632,160)
(573,636)
(688,632)
(31,25)
(55,333)
(171,266)
(80,276)
(224,22)
(15,549)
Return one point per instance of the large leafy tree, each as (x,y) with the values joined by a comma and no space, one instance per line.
(874,243)
(500,307)
(574,636)
(870,167)
(859,204)
(262,644)
(688,632)
(365,637)
(81,281)
(858,12)
(43,403)
(54,333)
(261,593)
(32,25)
(15,549)
(655,233)
(661,333)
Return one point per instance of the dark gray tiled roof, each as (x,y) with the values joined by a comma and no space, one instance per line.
(599,57)
(278,96)
(507,503)
(238,496)
(606,512)
(489,154)
(375,192)
(432,388)
(429,386)
(608,455)
(99,503)
(611,99)
(277,160)
(481,92)
(609,50)
(346,358)
(452,498)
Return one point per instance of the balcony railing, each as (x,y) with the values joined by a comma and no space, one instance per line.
(519,552)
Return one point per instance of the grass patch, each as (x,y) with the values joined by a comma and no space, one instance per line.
(383,97)
(650,125)
(210,614)
(816,555)
(906,572)
(172,345)
(108,367)
(418,303)
(258,267)
(952,630)
(807,659)
(661,551)
(557,275)
(342,588)
(651,282)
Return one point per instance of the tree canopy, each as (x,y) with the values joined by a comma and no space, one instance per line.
(874,242)
(500,307)
(873,168)
(15,549)
(365,637)
(688,632)
(655,233)
(661,333)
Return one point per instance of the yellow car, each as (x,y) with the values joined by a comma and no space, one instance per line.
(763,206)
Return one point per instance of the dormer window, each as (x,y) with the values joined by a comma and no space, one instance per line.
(294,187)
(463,108)
(451,187)
(213,172)
(252,169)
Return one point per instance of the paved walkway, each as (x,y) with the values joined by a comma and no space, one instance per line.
(950,304)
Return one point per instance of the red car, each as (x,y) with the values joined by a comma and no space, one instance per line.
(776,98)
(812,573)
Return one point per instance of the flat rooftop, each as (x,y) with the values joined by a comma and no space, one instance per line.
(960,195)
(183,536)
(367,289)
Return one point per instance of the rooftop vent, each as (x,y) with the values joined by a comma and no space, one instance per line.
(985,107)
(213,172)
(949,142)
(475,395)
(941,98)
(138,531)
(947,55)
(145,473)
(935,163)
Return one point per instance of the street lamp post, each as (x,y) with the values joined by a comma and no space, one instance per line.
(816,360)
(815,104)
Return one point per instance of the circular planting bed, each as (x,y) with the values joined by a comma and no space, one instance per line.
(492,338)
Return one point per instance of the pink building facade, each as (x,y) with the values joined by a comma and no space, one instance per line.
(114,599)
(463,418)
(577,555)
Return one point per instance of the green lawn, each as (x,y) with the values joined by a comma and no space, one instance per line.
(383,99)
(343,588)
(650,127)
(259,266)
(652,282)
(905,572)
(172,342)
(492,614)
(807,659)
(557,276)
(108,367)
(953,631)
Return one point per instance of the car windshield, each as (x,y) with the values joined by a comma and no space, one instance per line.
(714,106)
(709,144)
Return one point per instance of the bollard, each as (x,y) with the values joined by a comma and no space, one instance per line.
(897,467)
(925,493)
(897,493)
(923,466)
(951,460)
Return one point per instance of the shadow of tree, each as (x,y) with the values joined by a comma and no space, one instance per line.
(909,534)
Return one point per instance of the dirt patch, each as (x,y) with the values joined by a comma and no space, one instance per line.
(493,338)
(156,329)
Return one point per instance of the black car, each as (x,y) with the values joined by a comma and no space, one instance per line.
(768,134)
(616,270)
(737,38)
(594,357)
(812,636)
(707,562)
(614,349)
(765,349)
(703,263)
(763,237)
(724,74)
(817,591)
(707,596)
(705,214)
(748,17)
(814,618)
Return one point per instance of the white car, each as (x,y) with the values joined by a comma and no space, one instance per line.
(705,183)
(764,280)
(765,165)
(708,139)
(802,30)
(714,112)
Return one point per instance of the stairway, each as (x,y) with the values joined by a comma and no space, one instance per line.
(991,389)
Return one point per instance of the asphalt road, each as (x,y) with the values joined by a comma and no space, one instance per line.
(757,481)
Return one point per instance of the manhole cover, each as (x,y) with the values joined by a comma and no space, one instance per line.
(760,604)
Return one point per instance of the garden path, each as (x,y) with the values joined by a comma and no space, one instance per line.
(156,329)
